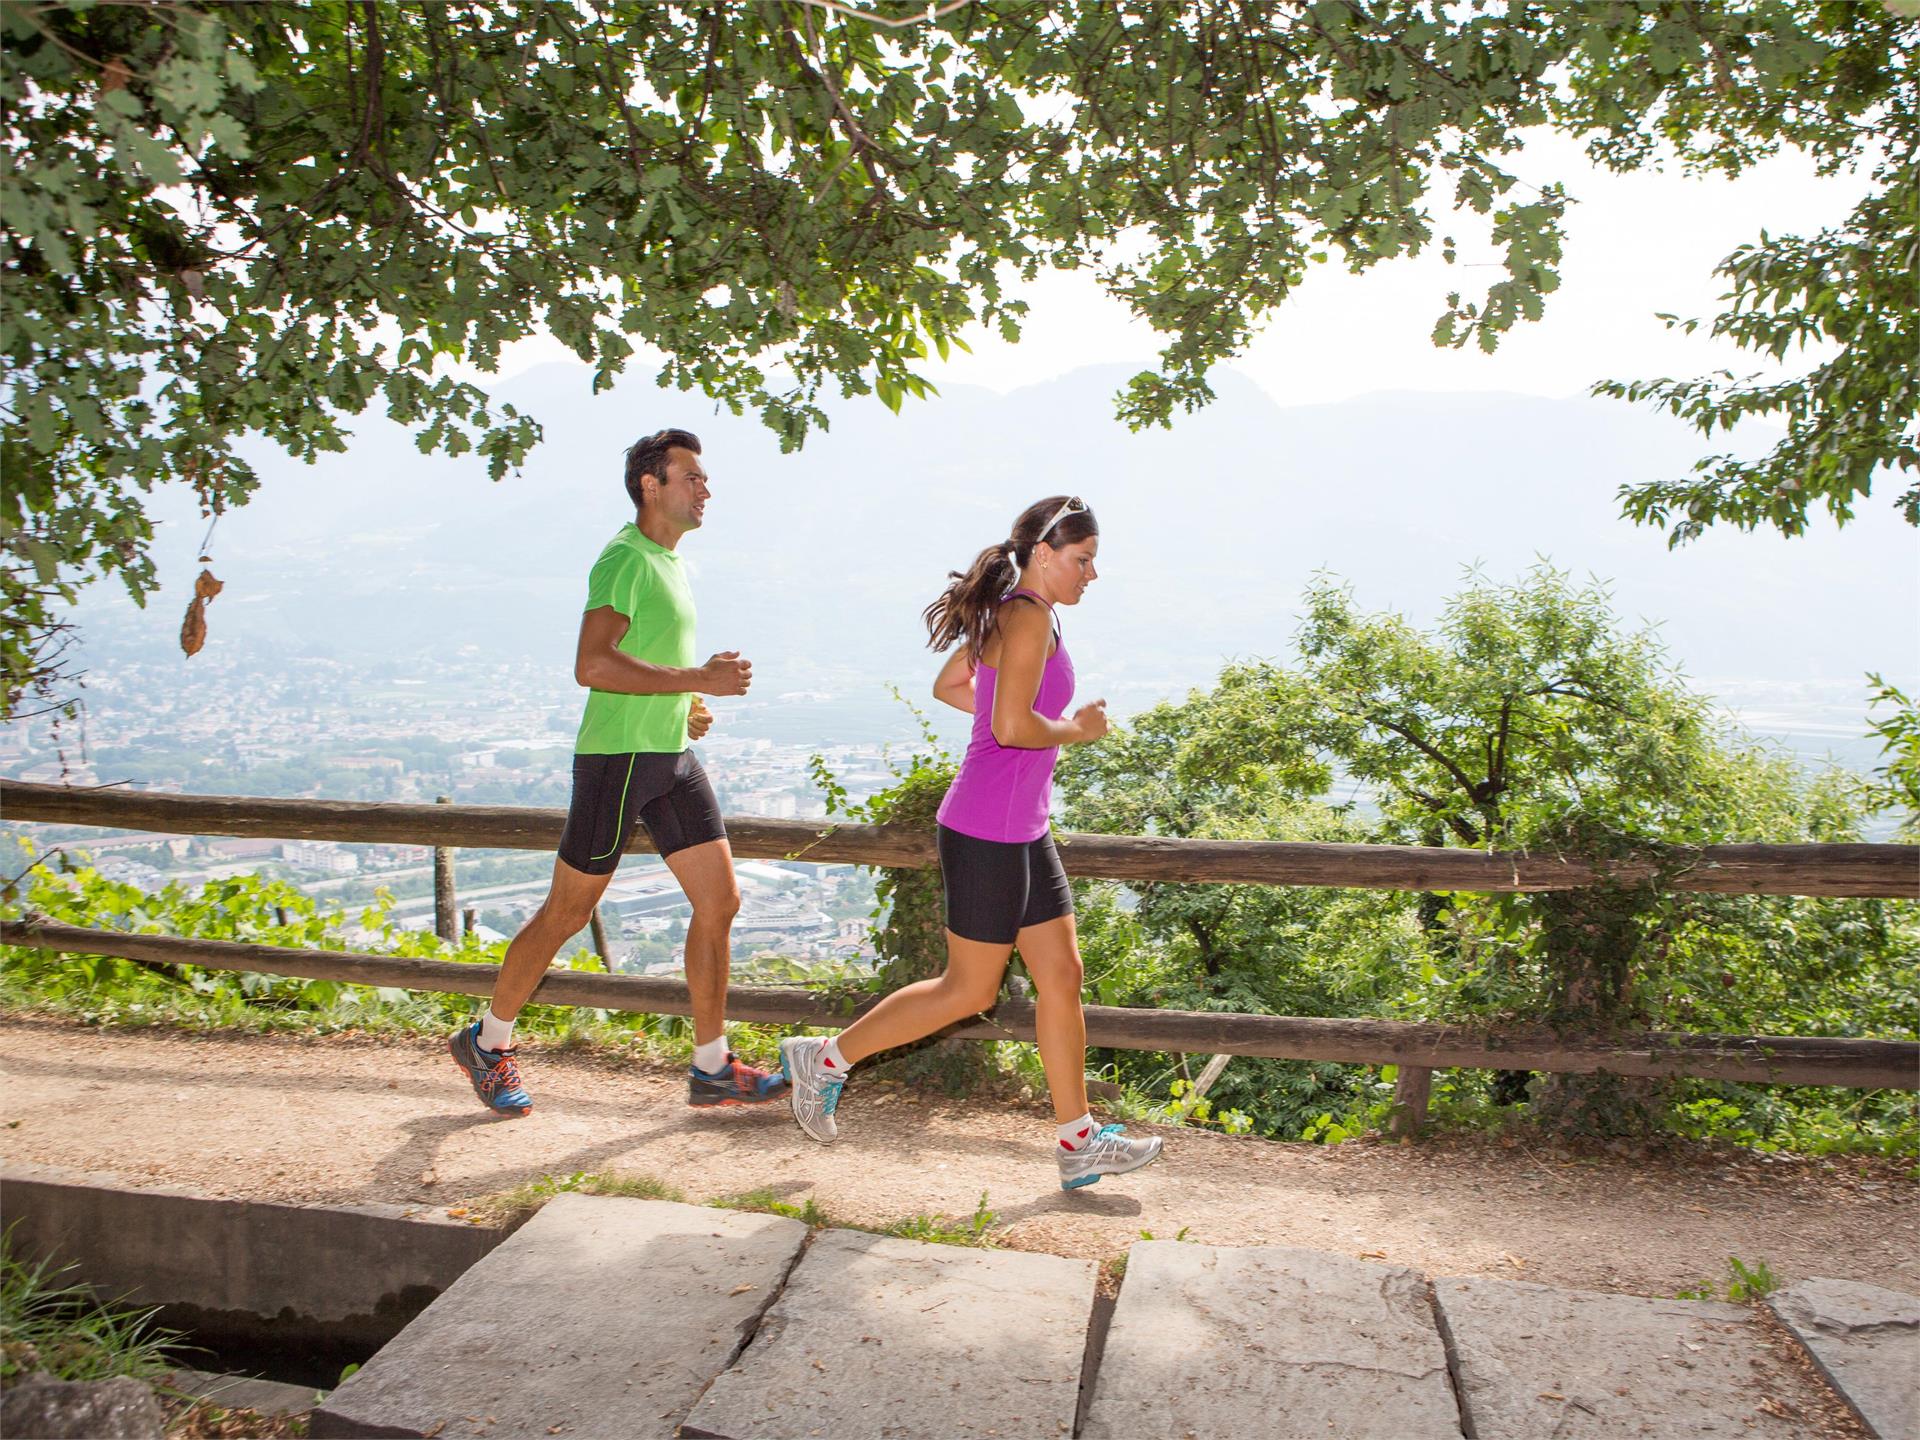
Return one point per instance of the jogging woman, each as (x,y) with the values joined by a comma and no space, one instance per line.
(1004,883)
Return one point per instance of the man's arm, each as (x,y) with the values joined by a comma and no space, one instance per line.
(600,664)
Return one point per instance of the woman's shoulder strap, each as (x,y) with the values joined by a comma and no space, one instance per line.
(1023,593)
(1052,613)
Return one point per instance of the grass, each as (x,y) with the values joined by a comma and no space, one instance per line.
(506,1206)
(764,1202)
(48,1322)
(976,1231)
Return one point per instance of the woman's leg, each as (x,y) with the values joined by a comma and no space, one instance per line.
(971,984)
(1051,953)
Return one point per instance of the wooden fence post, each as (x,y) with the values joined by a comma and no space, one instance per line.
(600,946)
(469,920)
(1215,1068)
(1411,1092)
(443,901)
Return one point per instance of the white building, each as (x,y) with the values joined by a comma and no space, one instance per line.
(321,855)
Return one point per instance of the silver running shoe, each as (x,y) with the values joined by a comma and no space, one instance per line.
(1108,1153)
(813,1089)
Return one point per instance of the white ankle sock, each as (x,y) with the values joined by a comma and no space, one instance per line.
(711,1055)
(1075,1134)
(831,1057)
(495,1034)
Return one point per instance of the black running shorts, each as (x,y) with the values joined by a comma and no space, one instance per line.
(668,793)
(995,889)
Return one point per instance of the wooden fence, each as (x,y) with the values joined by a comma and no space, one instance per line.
(1884,871)
(1850,870)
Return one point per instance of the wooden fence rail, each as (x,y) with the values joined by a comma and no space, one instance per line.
(1883,871)
(1756,1059)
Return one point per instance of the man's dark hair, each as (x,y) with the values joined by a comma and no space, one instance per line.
(648,456)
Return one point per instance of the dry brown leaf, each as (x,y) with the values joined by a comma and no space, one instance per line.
(193,630)
(114,75)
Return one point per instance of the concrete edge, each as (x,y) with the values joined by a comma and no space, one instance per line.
(334,1279)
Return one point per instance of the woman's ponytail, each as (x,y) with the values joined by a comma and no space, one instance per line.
(966,607)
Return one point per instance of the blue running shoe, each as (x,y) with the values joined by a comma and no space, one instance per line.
(734,1083)
(495,1075)
(1107,1153)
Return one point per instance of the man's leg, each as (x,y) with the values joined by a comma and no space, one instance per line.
(494,1070)
(705,873)
(565,912)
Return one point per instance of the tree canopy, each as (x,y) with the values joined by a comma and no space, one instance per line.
(263,218)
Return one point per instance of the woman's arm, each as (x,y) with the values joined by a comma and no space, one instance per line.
(954,683)
(1025,632)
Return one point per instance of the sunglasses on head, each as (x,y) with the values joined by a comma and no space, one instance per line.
(1074,506)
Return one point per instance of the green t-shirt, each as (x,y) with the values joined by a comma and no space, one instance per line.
(646,583)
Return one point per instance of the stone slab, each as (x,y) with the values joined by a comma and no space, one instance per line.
(1270,1341)
(43,1408)
(1532,1360)
(601,1316)
(243,1392)
(1866,1341)
(875,1337)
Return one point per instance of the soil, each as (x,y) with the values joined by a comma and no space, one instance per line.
(355,1119)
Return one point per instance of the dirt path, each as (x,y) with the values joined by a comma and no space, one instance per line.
(355,1119)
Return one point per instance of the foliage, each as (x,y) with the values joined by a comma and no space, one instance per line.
(108,990)
(1745,1284)
(1900,777)
(1851,287)
(1527,719)
(912,941)
(52,1324)
(226,220)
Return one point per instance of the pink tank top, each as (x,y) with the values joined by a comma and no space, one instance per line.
(1003,792)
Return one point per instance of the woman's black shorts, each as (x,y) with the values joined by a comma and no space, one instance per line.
(668,793)
(995,889)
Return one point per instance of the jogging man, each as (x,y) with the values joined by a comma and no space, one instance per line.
(631,766)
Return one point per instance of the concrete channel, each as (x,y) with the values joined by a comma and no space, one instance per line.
(295,1292)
